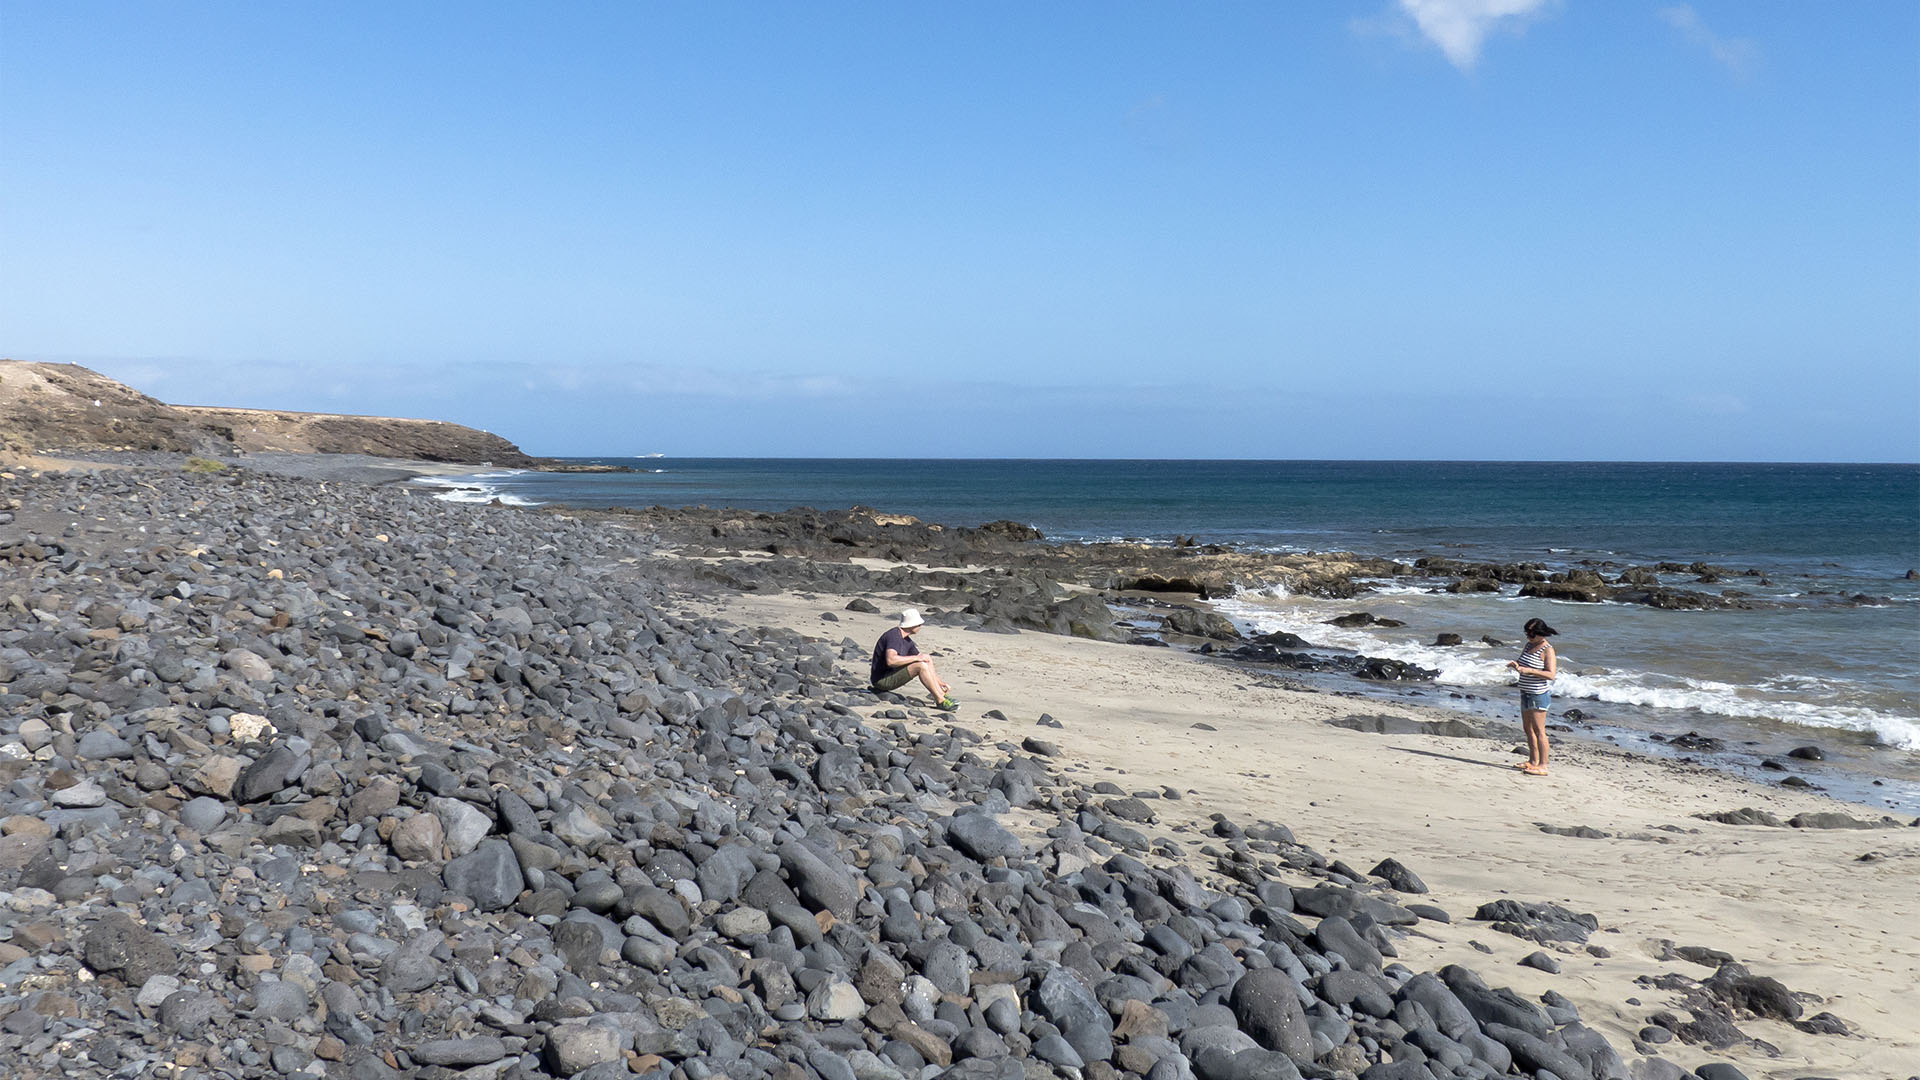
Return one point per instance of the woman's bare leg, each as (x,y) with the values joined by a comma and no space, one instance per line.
(1535,722)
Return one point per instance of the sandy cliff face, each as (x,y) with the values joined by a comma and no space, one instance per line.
(68,407)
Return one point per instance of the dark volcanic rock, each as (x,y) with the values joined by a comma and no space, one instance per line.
(1566,590)
(1195,623)
(1337,935)
(1697,743)
(1495,1006)
(270,773)
(1740,989)
(1384,724)
(981,837)
(489,875)
(480,1050)
(1535,1053)
(187,1012)
(116,945)
(1266,1002)
(1071,1006)
(1537,922)
(1541,960)
(1829,820)
(823,883)
(1746,815)
(1398,877)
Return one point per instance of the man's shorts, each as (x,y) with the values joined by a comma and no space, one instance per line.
(895,679)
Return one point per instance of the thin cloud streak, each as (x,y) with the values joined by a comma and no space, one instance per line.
(1741,56)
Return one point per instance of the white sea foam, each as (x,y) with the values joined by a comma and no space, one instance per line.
(1795,700)
(1458,666)
(476,488)
(1396,588)
(1723,699)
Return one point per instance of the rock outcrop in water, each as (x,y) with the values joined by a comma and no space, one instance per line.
(1206,571)
(336,780)
(1203,571)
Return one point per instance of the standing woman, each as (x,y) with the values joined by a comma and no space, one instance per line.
(1538,666)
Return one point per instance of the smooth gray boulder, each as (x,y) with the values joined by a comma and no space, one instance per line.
(489,875)
(575,1048)
(1071,1006)
(271,772)
(460,1053)
(1266,1002)
(978,836)
(823,884)
(463,824)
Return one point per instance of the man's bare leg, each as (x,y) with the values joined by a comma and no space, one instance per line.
(931,680)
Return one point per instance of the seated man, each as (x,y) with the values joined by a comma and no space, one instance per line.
(897,662)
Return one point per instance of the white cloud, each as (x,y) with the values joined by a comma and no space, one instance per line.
(1738,55)
(1459,27)
(700,382)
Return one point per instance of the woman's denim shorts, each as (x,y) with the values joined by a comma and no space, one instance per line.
(1535,702)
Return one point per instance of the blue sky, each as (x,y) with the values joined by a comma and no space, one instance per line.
(1470,229)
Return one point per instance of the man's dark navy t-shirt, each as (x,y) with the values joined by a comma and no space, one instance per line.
(897,640)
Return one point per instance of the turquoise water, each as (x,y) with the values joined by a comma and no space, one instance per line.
(1810,664)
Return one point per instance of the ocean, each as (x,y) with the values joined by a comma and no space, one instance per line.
(1830,655)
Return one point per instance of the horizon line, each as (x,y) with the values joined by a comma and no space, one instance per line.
(1246,460)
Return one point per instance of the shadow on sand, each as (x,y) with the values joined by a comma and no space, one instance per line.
(1453,757)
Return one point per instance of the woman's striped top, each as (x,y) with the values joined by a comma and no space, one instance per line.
(1535,657)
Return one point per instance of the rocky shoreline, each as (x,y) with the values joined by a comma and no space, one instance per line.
(317,777)
(1186,567)
(1005,576)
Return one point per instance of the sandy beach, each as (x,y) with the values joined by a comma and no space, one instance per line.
(1799,905)
(307,769)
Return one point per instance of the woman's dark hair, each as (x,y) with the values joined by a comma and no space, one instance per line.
(1538,628)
